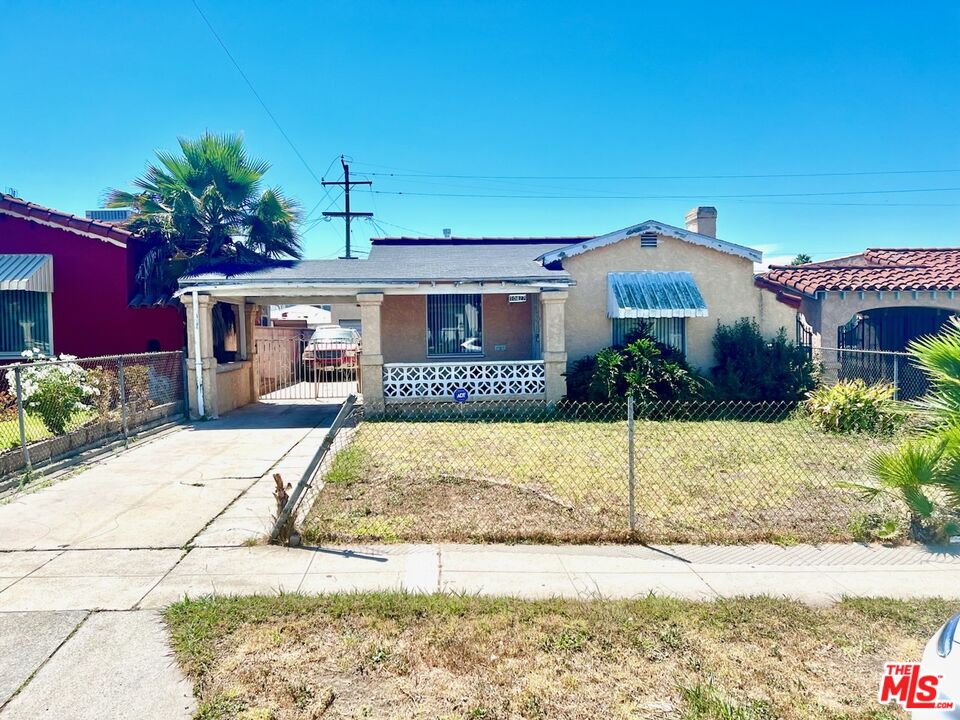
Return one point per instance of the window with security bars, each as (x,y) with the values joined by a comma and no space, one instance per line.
(454,325)
(24,321)
(669,331)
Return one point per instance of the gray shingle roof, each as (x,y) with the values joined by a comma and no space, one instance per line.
(422,261)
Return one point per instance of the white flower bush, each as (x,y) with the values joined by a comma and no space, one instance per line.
(55,391)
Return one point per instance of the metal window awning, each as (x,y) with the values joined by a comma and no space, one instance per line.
(654,295)
(26,272)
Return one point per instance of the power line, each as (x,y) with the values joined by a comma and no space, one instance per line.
(859,173)
(664,197)
(257,95)
(401,227)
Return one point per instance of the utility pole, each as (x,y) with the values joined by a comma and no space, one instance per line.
(346,214)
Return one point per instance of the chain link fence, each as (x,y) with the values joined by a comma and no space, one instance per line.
(666,472)
(872,366)
(52,408)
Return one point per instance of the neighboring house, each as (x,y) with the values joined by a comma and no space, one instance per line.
(880,299)
(306,316)
(67,286)
(503,317)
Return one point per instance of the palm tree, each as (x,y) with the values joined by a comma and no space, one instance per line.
(205,208)
(925,471)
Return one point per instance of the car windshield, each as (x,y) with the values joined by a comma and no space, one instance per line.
(328,334)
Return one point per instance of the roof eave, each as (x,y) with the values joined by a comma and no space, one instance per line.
(662,229)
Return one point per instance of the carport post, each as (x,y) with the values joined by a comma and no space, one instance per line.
(197,349)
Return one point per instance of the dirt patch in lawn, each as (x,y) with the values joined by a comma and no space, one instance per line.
(696,481)
(403,656)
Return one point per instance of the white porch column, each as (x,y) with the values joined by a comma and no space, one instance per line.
(208,362)
(554,344)
(251,315)
(371,357)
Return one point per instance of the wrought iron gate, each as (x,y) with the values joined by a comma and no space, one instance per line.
(298,368)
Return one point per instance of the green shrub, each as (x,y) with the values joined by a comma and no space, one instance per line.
(754,369)
(55,392)
(852,406)
(644,368)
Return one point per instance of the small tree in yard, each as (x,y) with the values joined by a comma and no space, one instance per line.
(643,368)
(752,368)
(924,471)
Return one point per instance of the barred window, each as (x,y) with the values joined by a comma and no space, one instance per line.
(454,324)
(669,331)
(24,321)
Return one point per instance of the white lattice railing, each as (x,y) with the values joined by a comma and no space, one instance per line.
(521,378)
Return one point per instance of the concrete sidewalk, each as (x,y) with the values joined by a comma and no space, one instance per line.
(77,580)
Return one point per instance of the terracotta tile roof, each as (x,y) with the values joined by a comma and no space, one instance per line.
(905,269)
(17,206)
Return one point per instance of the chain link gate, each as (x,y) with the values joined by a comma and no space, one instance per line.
(302,368)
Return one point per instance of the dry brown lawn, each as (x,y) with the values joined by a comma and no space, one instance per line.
(696,481)
(396,656)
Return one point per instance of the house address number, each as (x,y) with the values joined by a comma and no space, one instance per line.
(516,298)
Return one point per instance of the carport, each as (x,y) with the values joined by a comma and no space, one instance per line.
(223,387)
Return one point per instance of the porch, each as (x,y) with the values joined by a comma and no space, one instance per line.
(417,344)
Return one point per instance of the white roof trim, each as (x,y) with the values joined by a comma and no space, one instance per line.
(659,228)
(60,226)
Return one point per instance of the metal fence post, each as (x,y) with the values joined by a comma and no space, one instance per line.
(630,466)
(20,419)
(123,401)
(896,377)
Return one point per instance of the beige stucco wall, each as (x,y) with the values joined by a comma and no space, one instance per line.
(505,324)
(234,386)
(726,282)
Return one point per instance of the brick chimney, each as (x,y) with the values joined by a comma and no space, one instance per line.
(703,220)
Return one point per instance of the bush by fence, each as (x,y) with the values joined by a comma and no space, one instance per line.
(696,472)
(52,406)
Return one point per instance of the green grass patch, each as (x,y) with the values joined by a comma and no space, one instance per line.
(393,655)
(696,481)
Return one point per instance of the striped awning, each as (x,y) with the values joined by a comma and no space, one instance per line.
(654,295)
(26,272)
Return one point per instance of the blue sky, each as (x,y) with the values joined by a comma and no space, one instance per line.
(503,90)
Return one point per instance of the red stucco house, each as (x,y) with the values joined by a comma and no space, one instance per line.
(68,285)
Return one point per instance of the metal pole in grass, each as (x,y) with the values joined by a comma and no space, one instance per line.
(122,386)
(20,419)
(308,474)
(630,466)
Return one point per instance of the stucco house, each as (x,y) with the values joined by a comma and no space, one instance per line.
(68,285)
(500,317)
(879,299)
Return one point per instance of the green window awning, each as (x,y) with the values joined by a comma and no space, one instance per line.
(654,295)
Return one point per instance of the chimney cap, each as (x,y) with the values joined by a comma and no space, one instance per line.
(703,211)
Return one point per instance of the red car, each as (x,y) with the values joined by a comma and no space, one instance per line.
(332,348)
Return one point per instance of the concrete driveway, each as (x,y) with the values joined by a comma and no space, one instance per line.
(163,493)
